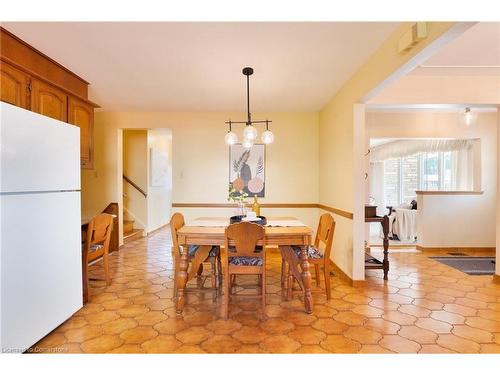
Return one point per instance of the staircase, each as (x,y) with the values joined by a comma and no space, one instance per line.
(130,233)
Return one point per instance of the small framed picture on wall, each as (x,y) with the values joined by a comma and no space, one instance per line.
(159,167)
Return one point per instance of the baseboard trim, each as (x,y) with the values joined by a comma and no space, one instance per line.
(455,248)
(157,229)
(343,276)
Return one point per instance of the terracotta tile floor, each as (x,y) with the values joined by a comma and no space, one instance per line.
(425,307)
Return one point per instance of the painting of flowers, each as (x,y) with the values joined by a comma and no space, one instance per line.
(247,169)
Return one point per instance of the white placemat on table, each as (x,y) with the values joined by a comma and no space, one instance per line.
(285,223)
(225,222)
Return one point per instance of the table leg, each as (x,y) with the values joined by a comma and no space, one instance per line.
(181,280)
(306,280)
(385,263)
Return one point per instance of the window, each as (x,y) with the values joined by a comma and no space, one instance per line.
(422,171)
(449,178)
(431,173)
(409,178)
(392,181)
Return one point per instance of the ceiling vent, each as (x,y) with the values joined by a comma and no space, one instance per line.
(414,35)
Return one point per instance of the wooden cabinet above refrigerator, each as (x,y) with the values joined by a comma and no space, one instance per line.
(32,80)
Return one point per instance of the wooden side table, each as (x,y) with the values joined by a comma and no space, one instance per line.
(371,262)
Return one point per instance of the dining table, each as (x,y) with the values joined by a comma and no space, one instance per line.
(210,231)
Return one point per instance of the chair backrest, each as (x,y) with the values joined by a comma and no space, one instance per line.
(98,233)
(176,223)
(324,234)
(245,235)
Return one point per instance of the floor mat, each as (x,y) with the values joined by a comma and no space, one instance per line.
(470,265)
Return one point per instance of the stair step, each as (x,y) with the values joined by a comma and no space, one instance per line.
(133,235)
(128,226)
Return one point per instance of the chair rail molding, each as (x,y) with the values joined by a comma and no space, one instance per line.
(324,207)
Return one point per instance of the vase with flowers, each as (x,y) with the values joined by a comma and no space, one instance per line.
(237,196)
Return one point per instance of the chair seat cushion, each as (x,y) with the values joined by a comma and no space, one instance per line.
(96,247)
(245,261)
(312,252)
(214,251)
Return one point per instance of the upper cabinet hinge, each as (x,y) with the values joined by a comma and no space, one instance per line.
(29,86)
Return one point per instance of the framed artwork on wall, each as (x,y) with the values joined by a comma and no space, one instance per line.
(159,167)
(247,169)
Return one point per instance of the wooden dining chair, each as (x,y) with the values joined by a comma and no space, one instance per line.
(95,248)
(195,258)
(315,257)
(242,256)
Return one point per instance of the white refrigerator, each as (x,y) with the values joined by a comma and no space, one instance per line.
(40,226)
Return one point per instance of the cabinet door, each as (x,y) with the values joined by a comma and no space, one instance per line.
(14,85)
(81,114)
(49,100)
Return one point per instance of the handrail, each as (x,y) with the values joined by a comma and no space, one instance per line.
(135,186)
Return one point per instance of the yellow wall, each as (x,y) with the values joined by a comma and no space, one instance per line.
(339,170)
(200,164)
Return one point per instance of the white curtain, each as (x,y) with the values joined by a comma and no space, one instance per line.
(462,170)
(402,148)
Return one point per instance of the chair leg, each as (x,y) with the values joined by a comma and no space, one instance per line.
(213,277)
(318,277)
(263,288)
(176,269)
(283,270)
(219,272)
(326,270)
(225,303)
(213,273)
(85,282)
(232,283)
(289,285)
(105,261)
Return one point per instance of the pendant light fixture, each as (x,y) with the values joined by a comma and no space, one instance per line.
(231,138)
(249,132)
(468,117)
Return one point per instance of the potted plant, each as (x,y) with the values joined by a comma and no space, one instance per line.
(237,196)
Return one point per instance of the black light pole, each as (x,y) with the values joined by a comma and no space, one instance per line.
(248,72)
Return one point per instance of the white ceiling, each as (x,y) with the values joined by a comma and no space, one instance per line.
(475,52)
(197,66)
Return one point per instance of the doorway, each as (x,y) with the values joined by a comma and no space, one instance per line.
(146,181)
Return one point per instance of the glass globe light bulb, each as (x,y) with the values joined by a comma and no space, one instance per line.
(247,143)
(231,138)
(468,117)
(250,132)
(267,137)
